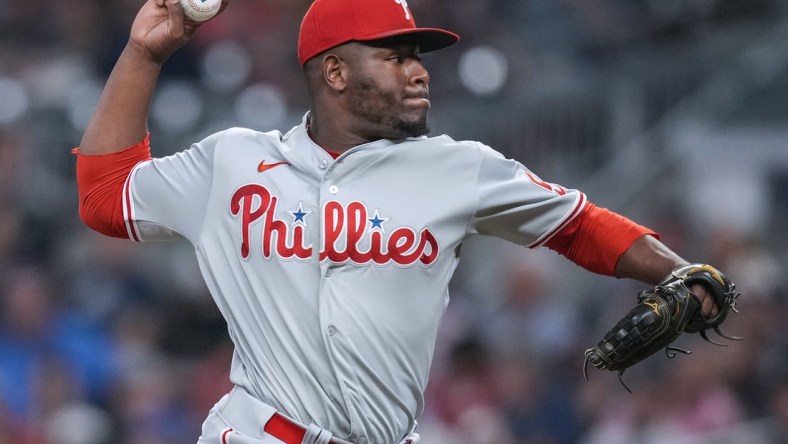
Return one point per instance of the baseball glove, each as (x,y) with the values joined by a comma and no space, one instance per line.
(661,315)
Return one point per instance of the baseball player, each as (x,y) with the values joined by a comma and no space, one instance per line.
(329,248)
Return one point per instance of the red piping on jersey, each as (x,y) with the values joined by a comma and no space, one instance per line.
(128,208)
(597,238)
(226,432)
(578,209)
(102,181)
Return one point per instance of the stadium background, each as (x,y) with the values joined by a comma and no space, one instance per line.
(672,112)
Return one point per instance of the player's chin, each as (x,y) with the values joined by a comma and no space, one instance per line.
(412,127)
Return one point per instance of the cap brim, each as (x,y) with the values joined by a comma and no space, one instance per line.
(430,39)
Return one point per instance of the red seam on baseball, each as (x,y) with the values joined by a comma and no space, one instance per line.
(197,7)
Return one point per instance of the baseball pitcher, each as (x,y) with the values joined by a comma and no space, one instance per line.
(328,248)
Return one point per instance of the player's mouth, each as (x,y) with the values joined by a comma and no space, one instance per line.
(420,100)
(416,102)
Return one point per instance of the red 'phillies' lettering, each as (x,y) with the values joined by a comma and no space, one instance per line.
(403,246)
(253,203)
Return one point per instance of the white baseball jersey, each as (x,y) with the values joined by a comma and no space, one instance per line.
(333,274)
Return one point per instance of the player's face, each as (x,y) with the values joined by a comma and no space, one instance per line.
(388,89)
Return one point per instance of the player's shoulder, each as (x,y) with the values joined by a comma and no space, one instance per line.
(236,135)
(237,139)
(233,145)
(444,141)
(459,147)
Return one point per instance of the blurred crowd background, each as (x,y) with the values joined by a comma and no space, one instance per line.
(671,112)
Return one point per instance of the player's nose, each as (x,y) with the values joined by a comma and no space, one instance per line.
(419,74)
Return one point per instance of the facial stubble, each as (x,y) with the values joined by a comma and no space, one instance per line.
(376,106)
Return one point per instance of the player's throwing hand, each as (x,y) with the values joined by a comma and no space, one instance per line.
(161,27)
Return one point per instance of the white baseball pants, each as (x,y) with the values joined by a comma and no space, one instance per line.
(240,418)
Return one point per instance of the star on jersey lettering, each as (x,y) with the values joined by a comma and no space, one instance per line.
(299,215)
(377,222)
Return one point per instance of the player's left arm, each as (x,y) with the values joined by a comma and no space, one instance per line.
(649,260)
(607,243)
(516,205)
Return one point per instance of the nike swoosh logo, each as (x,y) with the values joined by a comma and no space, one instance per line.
(267,166)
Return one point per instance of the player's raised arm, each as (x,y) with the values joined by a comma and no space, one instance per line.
(120,119)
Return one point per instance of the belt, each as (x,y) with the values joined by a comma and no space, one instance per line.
(249,414)
(286,430)
(290,432)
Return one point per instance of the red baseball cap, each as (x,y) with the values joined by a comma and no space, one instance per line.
(330,23)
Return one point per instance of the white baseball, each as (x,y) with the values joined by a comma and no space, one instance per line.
(200,10)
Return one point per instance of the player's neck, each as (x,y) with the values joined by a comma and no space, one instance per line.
(330,137)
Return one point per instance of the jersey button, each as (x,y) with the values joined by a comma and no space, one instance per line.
(332,330)
(333,189)
(323,164)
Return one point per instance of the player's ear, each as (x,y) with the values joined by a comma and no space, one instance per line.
(334,72)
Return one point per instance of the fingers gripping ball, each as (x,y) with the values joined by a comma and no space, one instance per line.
(200,10)
(661,315)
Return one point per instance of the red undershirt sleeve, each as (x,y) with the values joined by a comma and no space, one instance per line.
(597,238)
(100,182)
